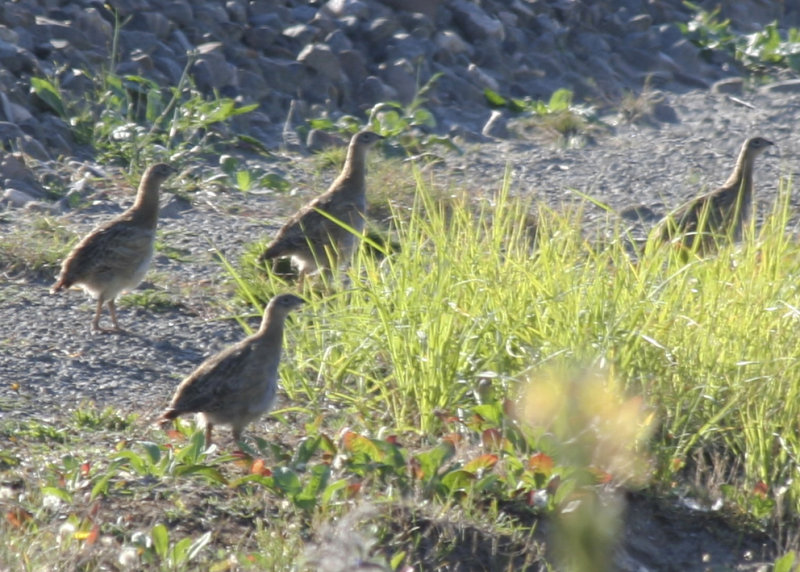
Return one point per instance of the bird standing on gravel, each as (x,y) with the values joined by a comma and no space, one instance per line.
(115,256)
(722,212)
(237,385)
(313,240)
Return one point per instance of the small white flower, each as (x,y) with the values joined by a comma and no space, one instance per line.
(128,557)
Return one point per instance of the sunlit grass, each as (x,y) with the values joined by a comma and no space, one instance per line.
(710,344)
(412,377)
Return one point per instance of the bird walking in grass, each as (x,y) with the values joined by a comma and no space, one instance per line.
(239,384)
(721,213)
(314,241)
(115,256)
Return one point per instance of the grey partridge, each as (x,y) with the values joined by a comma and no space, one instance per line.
(239,384)
(314,241)
(721,213)
(115,256)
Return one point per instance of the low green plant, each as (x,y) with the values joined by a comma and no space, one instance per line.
(568,122)
(409,125)
(36,249)
(757,51)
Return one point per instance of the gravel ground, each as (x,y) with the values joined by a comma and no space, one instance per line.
(46,345)
(51,363)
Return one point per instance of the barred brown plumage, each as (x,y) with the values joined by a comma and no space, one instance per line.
(311,239)
(239,384)
(721,213)
(115,256)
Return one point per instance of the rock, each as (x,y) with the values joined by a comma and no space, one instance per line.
(318,140)
(211,69)
(260,37)
(475,22)
(427,7)
(344,8)
(322,60)
(482,79)
(787,86)
(16,198)
(95,28)
(728,85)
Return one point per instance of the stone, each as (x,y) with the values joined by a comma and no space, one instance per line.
(322,60)
(343,8)
(318,140)
(787,86)
(211,70)
(728,85)
(475,22)
(16,198)
(260,37)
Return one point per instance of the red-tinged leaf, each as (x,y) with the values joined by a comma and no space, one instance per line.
(95,508)
(553,485)
(356,444)
(677,464)
(452,439)
(541,463)
(394,440)
(242,460)
(17,517)
(348,438)
(492,438)
(251,558)
(85,468)
(94,534)
(353,489)
(482,463)
(175,434)
(327,445)
(761,489)
(259,468)
(416,468)
(601,477)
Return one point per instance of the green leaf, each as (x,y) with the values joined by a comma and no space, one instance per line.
(397,559)
(58,493)
(332,488)
(482,463)
(275,182)
(178,552)
(209,473)
(431,461)
(160,538)
(494,99)
(361,448)
(243,180)
(785,563)
(287,481)
(197,546)
(101,486)
(48,93)
(560,100)
(135,462)
(457,480)
(306,450)
(317,483)
(491,412)
(153,451)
